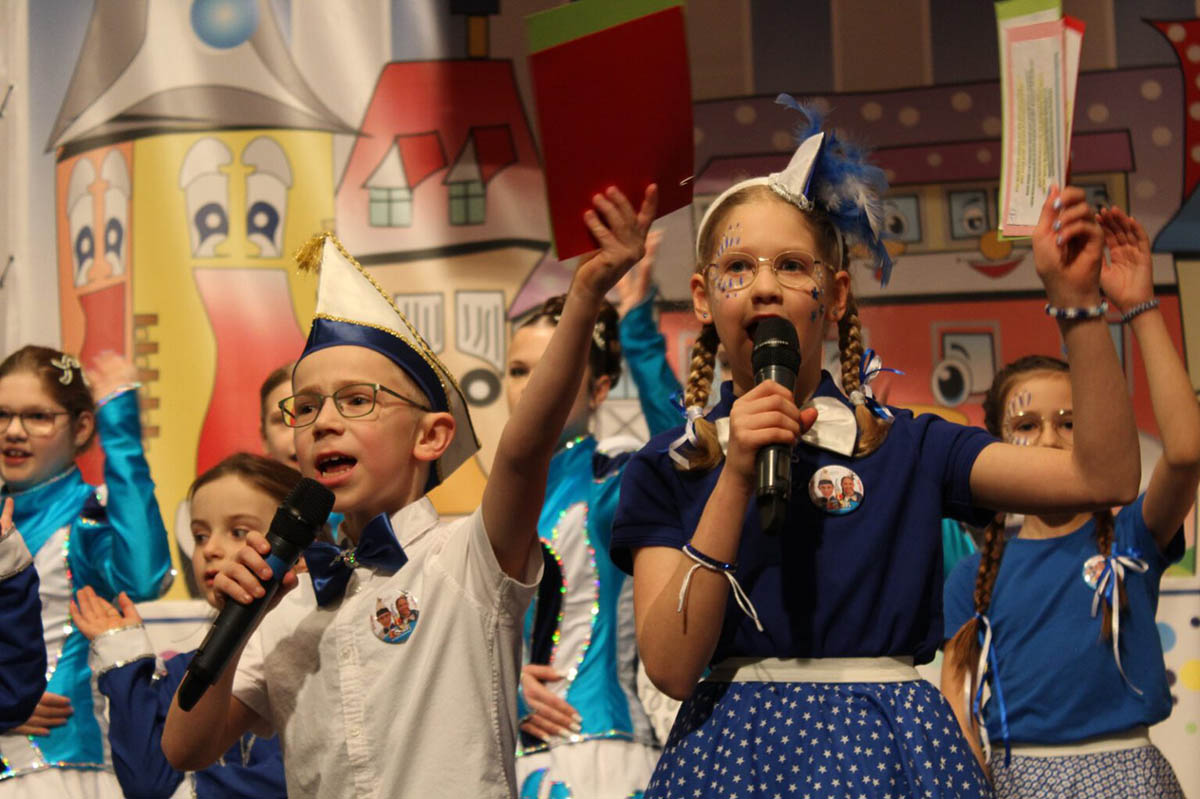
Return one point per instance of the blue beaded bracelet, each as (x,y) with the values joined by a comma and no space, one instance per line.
(1140,308)
(1094,312)
(705,560)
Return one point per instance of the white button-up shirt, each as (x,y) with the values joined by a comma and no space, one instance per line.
(431,715)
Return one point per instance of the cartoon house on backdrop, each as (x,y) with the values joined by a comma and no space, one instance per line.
(192,161)
(443,200)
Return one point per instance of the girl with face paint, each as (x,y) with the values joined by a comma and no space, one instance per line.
(1074,662)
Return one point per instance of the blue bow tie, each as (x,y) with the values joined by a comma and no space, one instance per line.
(330,567)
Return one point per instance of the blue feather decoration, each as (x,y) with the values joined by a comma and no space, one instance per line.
(847,187)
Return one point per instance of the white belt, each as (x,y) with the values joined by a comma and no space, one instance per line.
(886,669)
(1133,738)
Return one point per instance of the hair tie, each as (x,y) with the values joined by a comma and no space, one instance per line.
(688,439)
(870,366)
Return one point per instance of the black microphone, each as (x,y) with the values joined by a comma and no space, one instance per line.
(776,356)
(294,527)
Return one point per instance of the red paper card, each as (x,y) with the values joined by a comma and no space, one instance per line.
(614,109)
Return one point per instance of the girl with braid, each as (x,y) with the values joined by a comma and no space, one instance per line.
(795,651)
(1065,610)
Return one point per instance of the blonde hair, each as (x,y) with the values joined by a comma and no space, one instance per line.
(872,430)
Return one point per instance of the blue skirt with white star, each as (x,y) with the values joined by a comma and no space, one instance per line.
(772,740)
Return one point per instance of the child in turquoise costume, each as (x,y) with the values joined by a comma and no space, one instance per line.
(584,728)
(1058,623)
(795,652)
(111,537)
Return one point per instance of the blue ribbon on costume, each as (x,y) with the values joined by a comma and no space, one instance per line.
(1108,586)
(330,566)
(986,667)
(676,400)
(869,368)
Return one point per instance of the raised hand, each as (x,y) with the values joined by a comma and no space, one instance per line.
(1128,278)
(634,287)
(621,233)
(1068,249)
(108,372)
(93,615)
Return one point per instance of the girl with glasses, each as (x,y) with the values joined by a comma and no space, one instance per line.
(111,537)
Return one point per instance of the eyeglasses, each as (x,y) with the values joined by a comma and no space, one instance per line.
(734,271)
(352,402)
(34,423)
(1029,427)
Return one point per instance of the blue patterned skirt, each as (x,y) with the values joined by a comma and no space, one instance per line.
(1141,773)
(766,740)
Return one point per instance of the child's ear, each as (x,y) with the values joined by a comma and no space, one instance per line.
(85,423)
(839,295)
(700,305)
(434,435)
(600,388)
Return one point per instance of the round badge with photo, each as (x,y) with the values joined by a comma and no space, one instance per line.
(1093,567)
(836,490)
(395,617)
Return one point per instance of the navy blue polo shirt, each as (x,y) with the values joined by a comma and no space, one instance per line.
(1059,677)
(865,582)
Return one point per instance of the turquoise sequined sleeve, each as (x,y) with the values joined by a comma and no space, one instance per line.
(646,355)
(124,547)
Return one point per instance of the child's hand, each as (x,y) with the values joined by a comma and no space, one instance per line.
(1067,249)
(108,372)
(621,235)
(6,522)
(237,581)
(1128,279)
(766,414)
(93,615)
(52,711)
(632,288)
(551,715)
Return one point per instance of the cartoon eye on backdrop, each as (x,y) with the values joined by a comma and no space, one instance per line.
(902,218)
(206,193)
(81,218)
(968,214)
(479,331)
(964,365)
(266,195)
(115,174)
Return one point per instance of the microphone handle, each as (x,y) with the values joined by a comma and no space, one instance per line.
(234,625)
(773,463)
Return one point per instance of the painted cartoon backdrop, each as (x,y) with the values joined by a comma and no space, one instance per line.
(163,159)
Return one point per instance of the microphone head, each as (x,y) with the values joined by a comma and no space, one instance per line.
(311,501)
(775,344)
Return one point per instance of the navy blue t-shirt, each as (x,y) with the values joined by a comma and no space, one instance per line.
(1059,677)
(864,582)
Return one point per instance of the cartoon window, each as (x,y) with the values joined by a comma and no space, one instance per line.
(391,207)
(902,218)
(1097,195)
(206,193)
(468,203)
(968,214)
(81,218)
(266,195)
(115,174)
(426,312)
(390,199)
